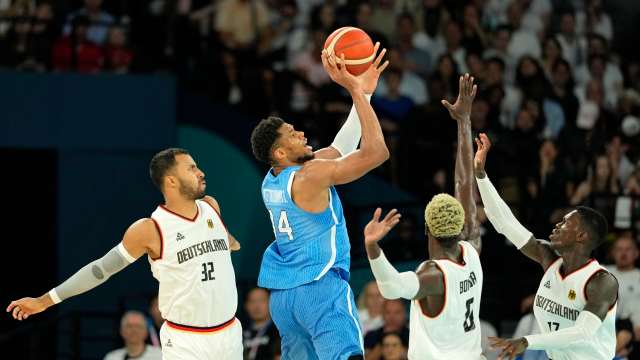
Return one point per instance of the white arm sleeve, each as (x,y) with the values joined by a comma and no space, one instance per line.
(348,137)
(500,215)
(93,274)
(585,327)
(391,283)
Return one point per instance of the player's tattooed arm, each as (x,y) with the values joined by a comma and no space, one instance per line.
(464,177)
(234,244)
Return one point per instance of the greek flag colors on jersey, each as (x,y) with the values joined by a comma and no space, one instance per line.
(558,302)
(307,245)
(454,333)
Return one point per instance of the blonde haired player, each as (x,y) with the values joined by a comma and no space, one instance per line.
(188,247)
(445,290)
(575,304)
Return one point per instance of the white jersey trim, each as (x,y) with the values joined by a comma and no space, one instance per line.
(333,240)
(290,184)
(354,319)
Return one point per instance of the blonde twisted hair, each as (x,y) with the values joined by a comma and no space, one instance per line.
(444,216)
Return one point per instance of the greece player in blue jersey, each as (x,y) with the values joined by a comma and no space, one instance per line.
(307,266)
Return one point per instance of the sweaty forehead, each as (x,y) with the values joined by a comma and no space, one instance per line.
(184,159)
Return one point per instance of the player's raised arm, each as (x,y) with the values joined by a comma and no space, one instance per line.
(348,137)
(464,179)
(601,293)
(321,174)
(393,284)
(501,216)
(133,245)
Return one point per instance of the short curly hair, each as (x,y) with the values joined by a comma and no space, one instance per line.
(444,216)
(264,136)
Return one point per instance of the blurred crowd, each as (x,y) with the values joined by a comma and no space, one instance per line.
(558,96)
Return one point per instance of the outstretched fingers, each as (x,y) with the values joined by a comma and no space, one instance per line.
(376,215)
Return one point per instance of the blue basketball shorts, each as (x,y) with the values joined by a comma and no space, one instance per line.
(318,320)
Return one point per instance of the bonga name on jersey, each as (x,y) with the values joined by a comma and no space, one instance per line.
(553,307)
(466,285)
(201,248)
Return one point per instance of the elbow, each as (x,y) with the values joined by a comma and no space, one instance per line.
(383,153)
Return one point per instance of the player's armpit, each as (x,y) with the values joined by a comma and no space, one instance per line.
(142,237)
(601,293)
(431,279)
(328,153)
(234,244)
(539,251)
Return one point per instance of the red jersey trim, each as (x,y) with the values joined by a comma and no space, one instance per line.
(161,240)
(444,304)
(198,329)
(180,216)
(576,270)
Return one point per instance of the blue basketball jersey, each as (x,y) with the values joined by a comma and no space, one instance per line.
(307,245)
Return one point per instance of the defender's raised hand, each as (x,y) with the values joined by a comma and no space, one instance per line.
(461,110)
(376,229)
(481,154)
(510,348)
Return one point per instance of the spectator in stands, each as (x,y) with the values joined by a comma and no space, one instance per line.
(562,85)
(14,50)
(411,85)
(625,253)
(370,306)
(394,347)
(454,48)
(99,21)
(551,53)
(395,320)
(474,38)
(522,41)
(118,55)
(133,329)
(447,69)
(594,19)
(240,23)
(310,73)
(43,35)
(76,51)
(260,337)
(363,20)
(573,45)
(413,59)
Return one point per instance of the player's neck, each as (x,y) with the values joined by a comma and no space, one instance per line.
(437,251)
(180,206)
(277,169)
(572,261)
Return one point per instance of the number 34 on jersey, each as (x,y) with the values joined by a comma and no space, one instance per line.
(282,225)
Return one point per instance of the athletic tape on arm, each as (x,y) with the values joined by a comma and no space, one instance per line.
(348,137)
(391,283)
(500,215)
(93,274)
(585,327)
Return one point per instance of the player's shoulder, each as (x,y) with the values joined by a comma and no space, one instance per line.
(603,283)
(429,267)
(212,201)
(115,354)
(143,228)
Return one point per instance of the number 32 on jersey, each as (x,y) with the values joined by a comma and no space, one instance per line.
(283,226)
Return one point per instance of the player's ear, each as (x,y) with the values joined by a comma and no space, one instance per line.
(278,154)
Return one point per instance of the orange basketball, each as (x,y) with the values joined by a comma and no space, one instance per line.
(356,46)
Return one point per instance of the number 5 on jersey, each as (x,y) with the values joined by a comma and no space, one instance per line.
(283,224)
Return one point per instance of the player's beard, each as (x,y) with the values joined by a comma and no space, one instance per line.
(191,193)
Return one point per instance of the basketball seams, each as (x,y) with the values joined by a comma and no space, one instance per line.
(332,44)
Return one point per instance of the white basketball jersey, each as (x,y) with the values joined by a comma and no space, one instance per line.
(454,333)
(197,281)
(559,301)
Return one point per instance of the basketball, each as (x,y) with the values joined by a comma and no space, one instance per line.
(356,46)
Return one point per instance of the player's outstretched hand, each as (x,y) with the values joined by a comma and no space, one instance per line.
(376,229)
(339,74)
(370,77)
(25,307)
(461,110)
(510,347)
(484,144)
